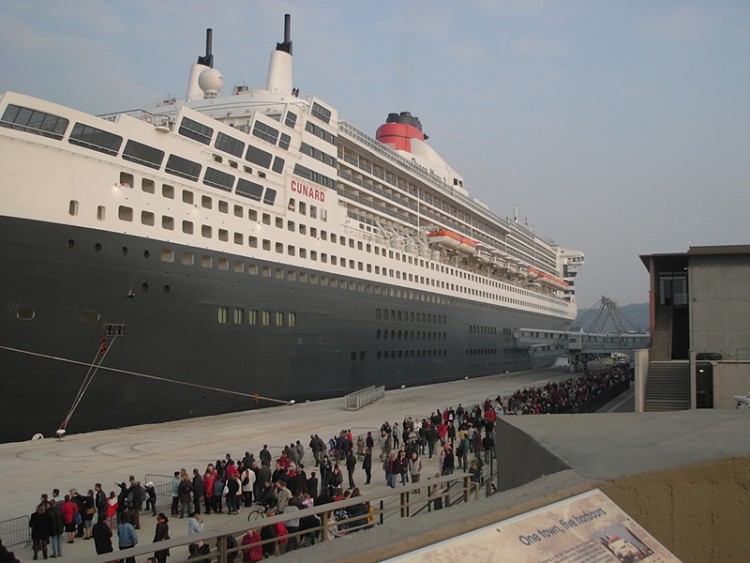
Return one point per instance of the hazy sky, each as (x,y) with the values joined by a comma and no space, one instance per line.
(616,128)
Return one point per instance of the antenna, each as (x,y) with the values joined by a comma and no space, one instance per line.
(286,46)
(208,60)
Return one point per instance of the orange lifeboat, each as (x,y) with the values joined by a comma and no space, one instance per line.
(445,238)
(548,279)
(467,246)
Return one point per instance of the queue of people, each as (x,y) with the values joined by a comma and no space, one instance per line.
(461,438)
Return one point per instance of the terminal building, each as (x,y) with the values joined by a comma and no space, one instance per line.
(700,330)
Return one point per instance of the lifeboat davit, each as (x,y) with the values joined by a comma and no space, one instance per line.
(445,238)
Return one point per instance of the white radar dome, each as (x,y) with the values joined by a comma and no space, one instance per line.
(211,82)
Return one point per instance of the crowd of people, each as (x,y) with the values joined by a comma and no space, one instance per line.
(300,477)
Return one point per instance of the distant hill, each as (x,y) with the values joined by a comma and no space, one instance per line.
(637,313)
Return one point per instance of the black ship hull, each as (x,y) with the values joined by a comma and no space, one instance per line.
(182,340)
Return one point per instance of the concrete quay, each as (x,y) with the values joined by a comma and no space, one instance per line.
(111,456)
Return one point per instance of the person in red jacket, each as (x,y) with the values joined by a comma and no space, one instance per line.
(69,510)
(252,551)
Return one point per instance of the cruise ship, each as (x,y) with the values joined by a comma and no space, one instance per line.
(226,251)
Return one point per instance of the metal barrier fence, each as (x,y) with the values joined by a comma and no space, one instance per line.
(163,488)
(15,531)
(358,399)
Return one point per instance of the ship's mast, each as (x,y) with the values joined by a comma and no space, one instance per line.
(280,66)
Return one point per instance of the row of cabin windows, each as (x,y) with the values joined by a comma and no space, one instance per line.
(148,218)
(480,329)
(401,354)
(409,316)
(256,317)
(409,335)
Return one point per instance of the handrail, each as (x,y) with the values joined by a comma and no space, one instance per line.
(450,489)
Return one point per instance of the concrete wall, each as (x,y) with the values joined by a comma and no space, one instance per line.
(640,364)
(699,512)
(719,302)
(730,378)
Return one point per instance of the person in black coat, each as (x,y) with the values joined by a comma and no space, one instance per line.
(161,534)
(367,464)
(40,531)
(56,527)
(102,534)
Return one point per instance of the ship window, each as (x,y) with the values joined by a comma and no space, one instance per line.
(96,139)
(224,207)
(167,223)
(284,141)
(279,223)
(266,244)
(252,269)
(223,264)
(207,261)
(101,213)
(183,167)
(290,250)
(222,315)
(73,207)
(252,241)
(148,186)
(25,313)
(313,212)
(278,164)
(279,318)
(252,317)
(252,215)
(90,316)
(291,275)
(206,231)
(223,235)
(167,191)
(302,208)
(291,319)
(324,258)
(238,316)
(196,131)
(187,227)
(279,247)
(303,277)
(187,258)
(313,255)
(249,189)
(270,196)
(258,156)
(265,132)
(239,238)
(125,213)
(333,260)
(291,119)
(303,253)
(322,113)
(147,218)
(266,318)
(187,197)
(218,179)
(167,255)
(206,202)
(238,211)
(229,144)
(126,180)
(143,154)
(36,122)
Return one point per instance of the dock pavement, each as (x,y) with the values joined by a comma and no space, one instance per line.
(80,460)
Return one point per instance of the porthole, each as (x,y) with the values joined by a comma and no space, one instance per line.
(90,316)
(144,287)
(146,254)
(167,289)
(25,314)
(124,250)
(97,247)
(71,243)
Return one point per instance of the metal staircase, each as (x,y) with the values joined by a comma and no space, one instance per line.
(668,386)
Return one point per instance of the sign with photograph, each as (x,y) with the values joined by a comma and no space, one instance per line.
(588,528)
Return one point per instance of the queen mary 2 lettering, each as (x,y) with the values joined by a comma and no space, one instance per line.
(230,250)
(307,191)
